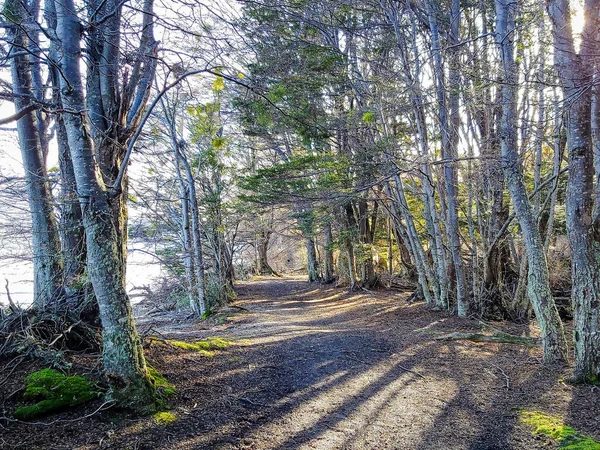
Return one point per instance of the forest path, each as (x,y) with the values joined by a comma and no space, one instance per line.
(321,368)
(316,367)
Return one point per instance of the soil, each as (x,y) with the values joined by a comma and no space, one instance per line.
(317,367)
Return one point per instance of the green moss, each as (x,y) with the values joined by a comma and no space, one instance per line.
(164,389)
(55,392)
(554,427)
(205,347)
(164,418)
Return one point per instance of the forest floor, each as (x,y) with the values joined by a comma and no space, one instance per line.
(315,367)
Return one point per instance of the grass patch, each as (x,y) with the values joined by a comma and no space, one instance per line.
(554,427)
(164,418)
(55,392)
(205,347)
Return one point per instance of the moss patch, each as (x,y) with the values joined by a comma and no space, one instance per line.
(205,347)
(554,427)
(55,392)
(164,418)
(164,389)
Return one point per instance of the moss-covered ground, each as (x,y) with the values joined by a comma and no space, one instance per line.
(54,391)
(552,426)
(164,418)
(164,389)
(205,347)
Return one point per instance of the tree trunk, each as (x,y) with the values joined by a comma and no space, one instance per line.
(409,233)
(576,73)
(186,237)
(328,260)
(390,249)
(449,132)
(311,256)
(48,275)
(553,340)
(262,248)
(115,106)
(367,269)
(123,358)
(199,307)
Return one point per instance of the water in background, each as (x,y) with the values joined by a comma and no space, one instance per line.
(143,269)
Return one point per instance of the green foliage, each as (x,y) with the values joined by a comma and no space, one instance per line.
(172,257)
(216,292)
(303,175)
(552,426)
(80,282)
(11,11)
(219,84)
(56,392)
(369,118)
(205,120)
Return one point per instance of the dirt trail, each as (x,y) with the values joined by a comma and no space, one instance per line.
(319,368)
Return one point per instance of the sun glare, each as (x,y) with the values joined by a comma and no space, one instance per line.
(577,21)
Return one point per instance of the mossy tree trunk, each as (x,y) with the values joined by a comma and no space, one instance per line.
(123,360)
(115,105)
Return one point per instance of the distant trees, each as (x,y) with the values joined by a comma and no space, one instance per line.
(436,144)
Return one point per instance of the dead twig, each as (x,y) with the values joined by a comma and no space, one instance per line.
(13,307)
(506,377)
